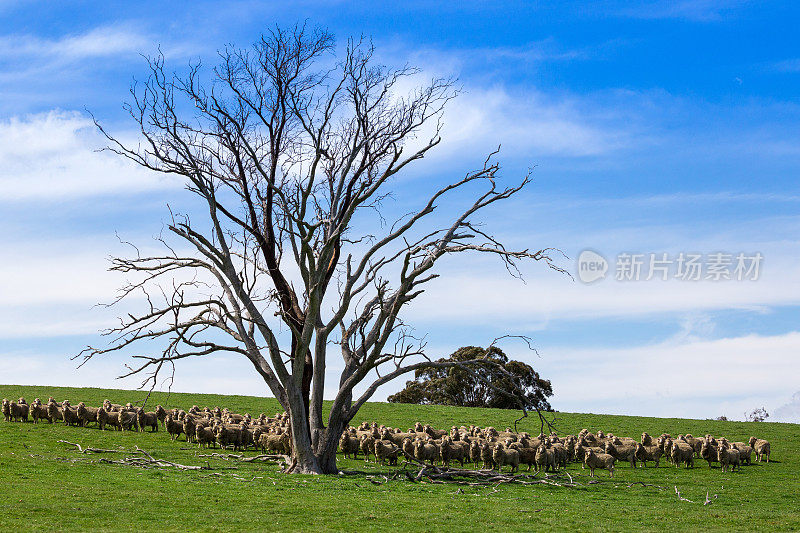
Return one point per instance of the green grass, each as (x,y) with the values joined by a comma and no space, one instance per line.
(47,486)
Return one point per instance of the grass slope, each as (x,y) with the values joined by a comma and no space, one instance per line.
(47,486)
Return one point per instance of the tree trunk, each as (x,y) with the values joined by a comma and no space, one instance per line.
(305,460)
(328,444)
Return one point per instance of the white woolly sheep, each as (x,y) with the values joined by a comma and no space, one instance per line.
(648,453)
(760,447)
(505,456)
(745,452)
(146,419)
(599,460)
(708,451)
(728,458)
(545,458)
(682,453)
(386,450)
(173,427)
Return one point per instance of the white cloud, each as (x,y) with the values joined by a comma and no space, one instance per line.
(54,156)
(695,379)
(527,122)
(100,42)
(490,296)
(787,65)
(693,10)
(788,412)
(534,124)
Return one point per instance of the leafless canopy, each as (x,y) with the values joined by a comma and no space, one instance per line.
(291,152)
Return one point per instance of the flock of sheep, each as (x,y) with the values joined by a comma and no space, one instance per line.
(207,427)
(485,447)
(492,449)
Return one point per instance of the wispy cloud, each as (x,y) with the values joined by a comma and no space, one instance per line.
(53,156)
(693,10)
(99,42)
(536,124)
(786,65)
(102,42)
(788,412)
(694,379)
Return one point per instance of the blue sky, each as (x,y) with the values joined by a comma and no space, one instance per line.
(651,127)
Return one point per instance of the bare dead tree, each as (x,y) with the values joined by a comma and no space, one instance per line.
(291,153)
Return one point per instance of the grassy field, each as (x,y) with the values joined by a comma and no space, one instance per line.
(47,486)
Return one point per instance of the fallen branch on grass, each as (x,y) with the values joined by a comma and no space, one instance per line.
(643,484)
(258,458)
(475,478)
(81,449)
(149,461)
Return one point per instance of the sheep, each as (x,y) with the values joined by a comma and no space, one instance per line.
(665,444)
(505,456)
(622,452)
(232,418)
(146,419)
(386,449)
(53,411)
(39,411)
(728,457)
(451,451)
(69,415)
(367,445)
(19,411)
(6,410)
(102,418)
(562,456)
(745,452)
(86,414)
(189,427)
(708,451)
(681,452)
(255,434)
(760,447)
(173,428)
(127,420)
(486,455)
(545,458)
(475,452)
(527,455)
(694,442)
(408,447)
(569,444)
(461,451)
(580,453)
(228,435)
(648,453)
(204,437)
(275,442)
(111,407)
(349,446)
(426,451)
(599,460)
(161,414)
(647,440)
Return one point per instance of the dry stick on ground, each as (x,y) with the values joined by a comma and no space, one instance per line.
(148,461)
(480,477)
(258,458)
(81,449)
(164,462)
(643,484)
